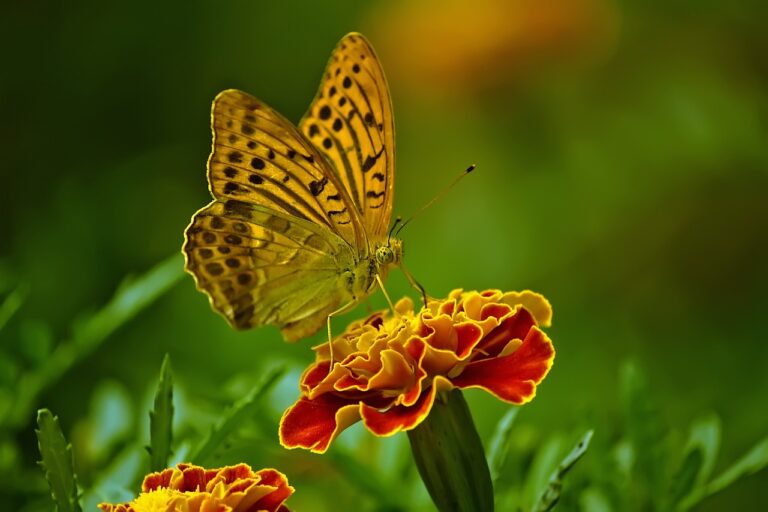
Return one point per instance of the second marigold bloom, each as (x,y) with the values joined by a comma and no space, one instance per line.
(390,368)
(192,488)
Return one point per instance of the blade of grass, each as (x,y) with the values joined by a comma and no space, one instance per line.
(57,462)
(161,420)
(647,433)
(552,492)
(11,304)
(129,299)
(242,410)
(698,461)
(753,461)
(499,447)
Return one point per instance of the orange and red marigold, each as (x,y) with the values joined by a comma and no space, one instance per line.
(196,489)
(389,369)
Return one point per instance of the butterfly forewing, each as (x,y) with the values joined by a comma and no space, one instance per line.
(350,122)
(260,158)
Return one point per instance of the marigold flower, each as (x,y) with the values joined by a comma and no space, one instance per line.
(195,489)
(389,369)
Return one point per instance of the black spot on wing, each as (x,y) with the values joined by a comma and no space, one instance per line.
(317,186)
(239,208)
(257,163)
(370,160)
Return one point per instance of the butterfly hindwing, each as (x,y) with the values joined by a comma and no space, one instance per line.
(350,122)
(263,267)
(259,158)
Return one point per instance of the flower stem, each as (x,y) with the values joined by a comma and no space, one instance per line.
(450,457)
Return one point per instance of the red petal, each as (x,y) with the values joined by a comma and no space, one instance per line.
(468,336)
(315,374)
(516,326)
(194,478)
(313,424)
(157,480)
(399,417)
(274,499)
(512,378)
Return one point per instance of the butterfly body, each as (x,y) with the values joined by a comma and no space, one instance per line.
(298,226)
(361,279)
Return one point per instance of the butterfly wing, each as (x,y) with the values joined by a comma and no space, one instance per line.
(350,123)
(260,158)
(264,267)
(272,247)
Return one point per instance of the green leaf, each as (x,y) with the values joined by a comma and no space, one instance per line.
(161,420)
(545,460)
(705,434)
(243,409)
(57,462)
(755,460)
(647,436)
(698,461)
(499,447)
(11,304)
(450,458)
(130,298)
(684,480)
(552,492)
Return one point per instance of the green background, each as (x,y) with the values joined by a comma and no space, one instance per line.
(622,175)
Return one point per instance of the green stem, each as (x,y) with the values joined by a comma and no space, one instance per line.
(450,457)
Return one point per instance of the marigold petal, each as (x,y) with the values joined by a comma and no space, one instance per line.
(395,372)
(162,479)
(314,423)
(515,326)
(399,417)
(283,491)
(512,378)
(536,303)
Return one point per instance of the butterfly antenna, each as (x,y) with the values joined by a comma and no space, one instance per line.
(398,220)
(436,198)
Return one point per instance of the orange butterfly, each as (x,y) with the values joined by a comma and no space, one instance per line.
(297,230)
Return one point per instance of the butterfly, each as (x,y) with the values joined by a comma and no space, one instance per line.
(297,230)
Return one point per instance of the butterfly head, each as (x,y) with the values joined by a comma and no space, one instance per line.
(389,254)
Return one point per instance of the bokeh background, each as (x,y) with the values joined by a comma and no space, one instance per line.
(622,172)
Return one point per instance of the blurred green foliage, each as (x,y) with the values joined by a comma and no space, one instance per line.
(628,186)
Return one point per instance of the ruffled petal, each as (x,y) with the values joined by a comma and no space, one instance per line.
(282,491)
(399,417)
(512,378)
(314,423)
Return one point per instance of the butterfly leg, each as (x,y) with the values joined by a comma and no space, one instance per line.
(343,309)
(386,295)
(414,283)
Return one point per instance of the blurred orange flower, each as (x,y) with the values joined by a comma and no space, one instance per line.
(195,489)
(389,369)
(481,45)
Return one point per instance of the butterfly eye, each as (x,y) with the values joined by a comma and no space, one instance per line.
(384,255)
